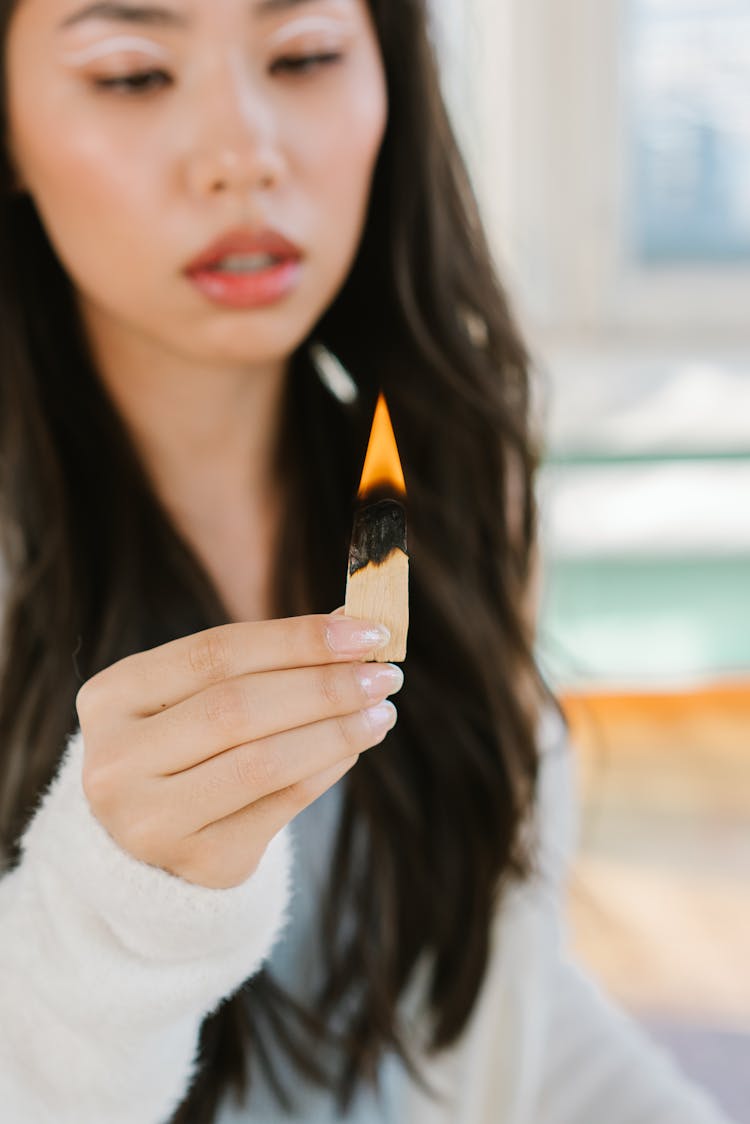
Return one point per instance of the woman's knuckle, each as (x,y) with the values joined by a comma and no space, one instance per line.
(319,636)
(210,784)
(255,769)
(331,687)
(225,703)
(347,735)
(208,654)
(291,641)
(310,639)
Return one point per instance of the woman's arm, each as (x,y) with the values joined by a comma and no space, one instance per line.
(154,878)
(108,966)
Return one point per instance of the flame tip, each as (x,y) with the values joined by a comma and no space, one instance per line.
(382,466)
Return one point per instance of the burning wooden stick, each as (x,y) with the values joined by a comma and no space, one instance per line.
(377,586)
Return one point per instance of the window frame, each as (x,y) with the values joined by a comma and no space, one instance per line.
(548,152)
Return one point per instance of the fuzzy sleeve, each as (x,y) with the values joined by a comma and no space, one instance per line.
(109,965)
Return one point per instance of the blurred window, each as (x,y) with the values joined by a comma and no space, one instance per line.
(610,142)
(688,80)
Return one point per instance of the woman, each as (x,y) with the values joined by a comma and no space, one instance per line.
(208,911)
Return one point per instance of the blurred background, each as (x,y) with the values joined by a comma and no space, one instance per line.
(609,143)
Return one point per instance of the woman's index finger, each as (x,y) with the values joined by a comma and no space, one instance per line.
(168,674)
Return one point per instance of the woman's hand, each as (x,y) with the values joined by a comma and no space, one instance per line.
(199,751)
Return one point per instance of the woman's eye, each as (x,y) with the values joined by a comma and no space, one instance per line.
(303,64)
(144,81)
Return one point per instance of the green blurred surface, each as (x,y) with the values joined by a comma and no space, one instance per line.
(645,513)
(622,620)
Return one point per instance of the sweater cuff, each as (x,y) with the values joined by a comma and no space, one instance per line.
(155,915)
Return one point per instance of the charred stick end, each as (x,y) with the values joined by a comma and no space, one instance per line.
(379,528)
(377,586)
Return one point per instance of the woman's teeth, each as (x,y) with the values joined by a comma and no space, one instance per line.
(245,263)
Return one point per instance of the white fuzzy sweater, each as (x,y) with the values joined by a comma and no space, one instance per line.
(109,965)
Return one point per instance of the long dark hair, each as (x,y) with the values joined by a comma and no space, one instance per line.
(430,824)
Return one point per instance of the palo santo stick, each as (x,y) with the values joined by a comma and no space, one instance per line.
(377,587)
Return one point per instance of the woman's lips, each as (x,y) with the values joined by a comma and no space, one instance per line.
(254,287)
(248,290)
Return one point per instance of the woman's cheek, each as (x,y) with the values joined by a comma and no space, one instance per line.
(354,143)
(93,187)
(84,208)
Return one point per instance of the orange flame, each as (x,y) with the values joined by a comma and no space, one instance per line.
(382,463)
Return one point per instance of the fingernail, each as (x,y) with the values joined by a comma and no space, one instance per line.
(381,717)
(346,635)
(379,680)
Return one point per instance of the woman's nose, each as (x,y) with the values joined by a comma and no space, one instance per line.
(236,167)
(235,144)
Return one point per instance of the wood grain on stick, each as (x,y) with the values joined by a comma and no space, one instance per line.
(379,591)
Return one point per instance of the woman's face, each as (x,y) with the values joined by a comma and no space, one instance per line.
(132,182)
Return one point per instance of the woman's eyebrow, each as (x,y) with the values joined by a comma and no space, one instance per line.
(127,13)
(160,17)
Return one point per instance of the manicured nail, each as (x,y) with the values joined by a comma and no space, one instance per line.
(347,635)
(379,680)
(382,717)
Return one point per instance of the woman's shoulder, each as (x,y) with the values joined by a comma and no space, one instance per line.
(556,806)
(551,829)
